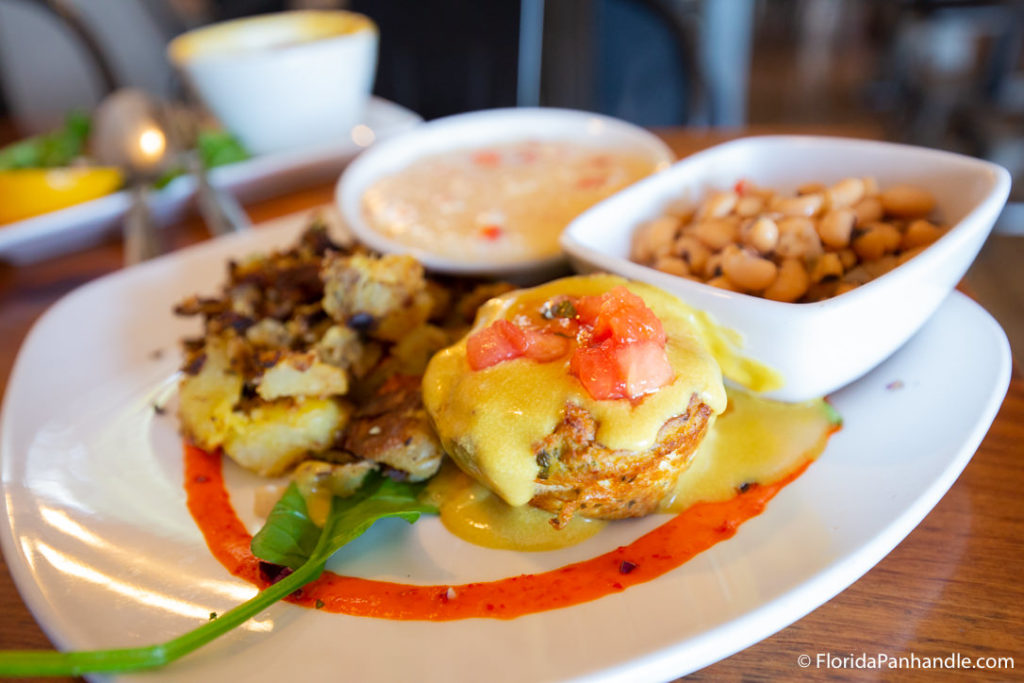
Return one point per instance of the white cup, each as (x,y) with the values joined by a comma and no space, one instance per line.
(283,81)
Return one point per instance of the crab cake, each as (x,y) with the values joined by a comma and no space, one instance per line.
(587,395)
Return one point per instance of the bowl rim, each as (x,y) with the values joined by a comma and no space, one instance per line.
(958,232)
(353,183)
(173,46)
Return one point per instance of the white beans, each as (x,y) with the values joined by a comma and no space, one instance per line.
(907,201)
(822,241)
(846,192)
(836,227)
(791,283)
(693,251)
(716,233)
(762,234)
(746,269)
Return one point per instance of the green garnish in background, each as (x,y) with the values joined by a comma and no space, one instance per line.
(216,148)
(50,150)
(289,538)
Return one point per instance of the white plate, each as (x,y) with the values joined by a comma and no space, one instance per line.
(105,554)
(260,177)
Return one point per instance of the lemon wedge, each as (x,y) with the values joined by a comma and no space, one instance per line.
(32,191)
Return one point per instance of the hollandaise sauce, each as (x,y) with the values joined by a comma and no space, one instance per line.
(759,448)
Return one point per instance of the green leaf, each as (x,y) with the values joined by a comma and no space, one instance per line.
(58,148)
(219,148)
(289,536)
(379,497)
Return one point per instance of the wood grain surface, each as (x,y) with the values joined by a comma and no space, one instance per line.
(953,586)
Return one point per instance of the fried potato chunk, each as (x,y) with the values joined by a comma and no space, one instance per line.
(392,428)
(302,374)
(208,397)
(273,437)
(383,297)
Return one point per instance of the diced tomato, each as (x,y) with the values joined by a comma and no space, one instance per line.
(588,308)
(486,157)
(622,351)
(494,344)
(613,371)
(596,369)
(544,347)
(504,340)
(620,315)
(644,367)
(491,232)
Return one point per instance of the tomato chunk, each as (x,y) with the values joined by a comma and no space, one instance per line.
(597,371)
(620,315)
(644,368)
(504,340)
(544,347)
(497,342)
(622,346)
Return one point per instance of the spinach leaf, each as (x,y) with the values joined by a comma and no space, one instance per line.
(289,536)
(349,517)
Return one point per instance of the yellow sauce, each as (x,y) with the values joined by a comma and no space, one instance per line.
(754,441)
(474,514)
(489,420)
(505,203)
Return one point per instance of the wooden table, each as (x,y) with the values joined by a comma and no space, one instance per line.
(954,585)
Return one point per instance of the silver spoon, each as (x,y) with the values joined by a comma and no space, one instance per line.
(127,132)
(220,210)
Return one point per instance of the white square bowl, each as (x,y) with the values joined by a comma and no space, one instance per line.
(817,347)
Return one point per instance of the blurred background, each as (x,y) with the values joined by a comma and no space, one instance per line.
(939,73)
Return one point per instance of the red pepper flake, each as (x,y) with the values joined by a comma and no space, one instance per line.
(490,607)
(894,385)
(626,567)
(727,527)
(487,158)
(740,187)
(491,232)
(617,586)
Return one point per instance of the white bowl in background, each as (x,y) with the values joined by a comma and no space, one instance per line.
(477,129)
(817,347)
(283,81)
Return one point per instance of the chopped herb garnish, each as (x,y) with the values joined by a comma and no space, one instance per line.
(558,308)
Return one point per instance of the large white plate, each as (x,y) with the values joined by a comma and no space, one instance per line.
(261,177)
(105,554)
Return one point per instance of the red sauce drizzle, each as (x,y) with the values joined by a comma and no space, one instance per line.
(663,549)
